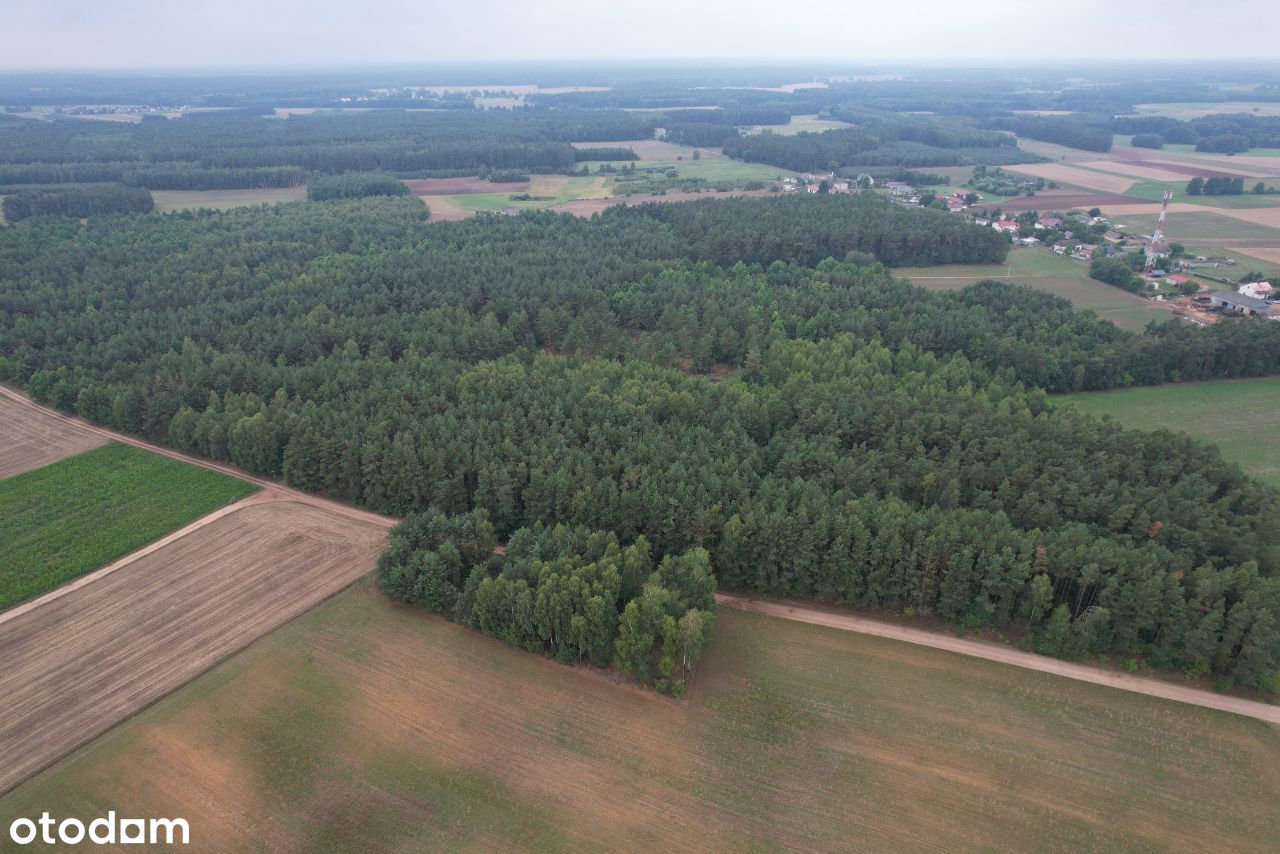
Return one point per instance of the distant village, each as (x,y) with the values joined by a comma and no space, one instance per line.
(1085,237)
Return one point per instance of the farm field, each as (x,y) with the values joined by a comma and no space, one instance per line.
(32,438)
(72,516)
(1154,191)
(179,200)
(1043,270)
(1238,416)
(78,664)
(364,724)
(1103,182)
(1188,226)
(800,124)
(547,190)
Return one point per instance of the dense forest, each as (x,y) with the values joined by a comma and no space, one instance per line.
(220,151)
(742,376)
(1223,133)
(75,201)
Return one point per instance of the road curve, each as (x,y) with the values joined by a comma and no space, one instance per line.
(1005,655)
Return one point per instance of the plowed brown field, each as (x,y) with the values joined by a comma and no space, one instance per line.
(31,438)
(87,658)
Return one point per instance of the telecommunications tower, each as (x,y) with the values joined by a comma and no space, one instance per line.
(1153,251)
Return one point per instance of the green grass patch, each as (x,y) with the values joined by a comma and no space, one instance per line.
(1239,416)
(1186,227)
(1038,267)
(1153,191)
(78,514)
(799,124)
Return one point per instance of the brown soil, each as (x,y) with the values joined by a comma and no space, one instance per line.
(31,438)
(84,660)
(1059,200)
(1072,175)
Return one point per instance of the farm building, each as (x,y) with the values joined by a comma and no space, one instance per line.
(1257,290)
(1062,246)
(1177,279)
(1249,306)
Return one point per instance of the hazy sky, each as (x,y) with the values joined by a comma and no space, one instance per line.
(257,33)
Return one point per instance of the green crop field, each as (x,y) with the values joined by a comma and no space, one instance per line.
(365,725)
(1040,268)
(1239,416)
(80,513)
(1154,191)
(1184,227)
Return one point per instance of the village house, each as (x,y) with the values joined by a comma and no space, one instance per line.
(1085,251)
(1177,279)
(1061,247)
(1257,290)
(1009,226)
(1048,222)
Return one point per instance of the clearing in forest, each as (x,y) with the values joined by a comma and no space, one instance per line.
(62,520)
(1239,416)
(1039,268)
(372,725)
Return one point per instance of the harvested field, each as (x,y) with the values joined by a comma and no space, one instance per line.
(444,210)
(1150,170)
(1263,253)
(221,200)
(79,663)
(1062,200)
(31,438)
(1074,176)
(372,726)
(82,512)
(459,186)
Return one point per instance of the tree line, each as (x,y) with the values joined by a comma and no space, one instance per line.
(76,201)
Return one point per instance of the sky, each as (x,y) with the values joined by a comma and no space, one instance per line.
(137,34)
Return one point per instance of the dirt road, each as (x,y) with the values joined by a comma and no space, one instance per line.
(1005,655)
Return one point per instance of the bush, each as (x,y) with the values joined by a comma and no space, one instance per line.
(1148,140)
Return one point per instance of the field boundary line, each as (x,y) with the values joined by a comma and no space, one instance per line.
(262,497)
(1005,655)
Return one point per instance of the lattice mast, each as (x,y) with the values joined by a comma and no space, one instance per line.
(1158,237)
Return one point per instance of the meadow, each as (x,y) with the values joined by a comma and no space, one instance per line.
(1039,268)
(1239,416)
(179,200)
(72,516)
(801,124)
(366,725)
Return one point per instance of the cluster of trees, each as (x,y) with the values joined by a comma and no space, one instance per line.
(597,152)
(1147,140)
(567,592)
(1216,186)
(173,175)
(364,354)
(880,140)
(1062,130)
(1121,271)
(354,185)
(76,201)
(1220,133)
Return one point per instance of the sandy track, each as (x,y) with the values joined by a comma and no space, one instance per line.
(1004,655)
(31,438)
(85,660)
